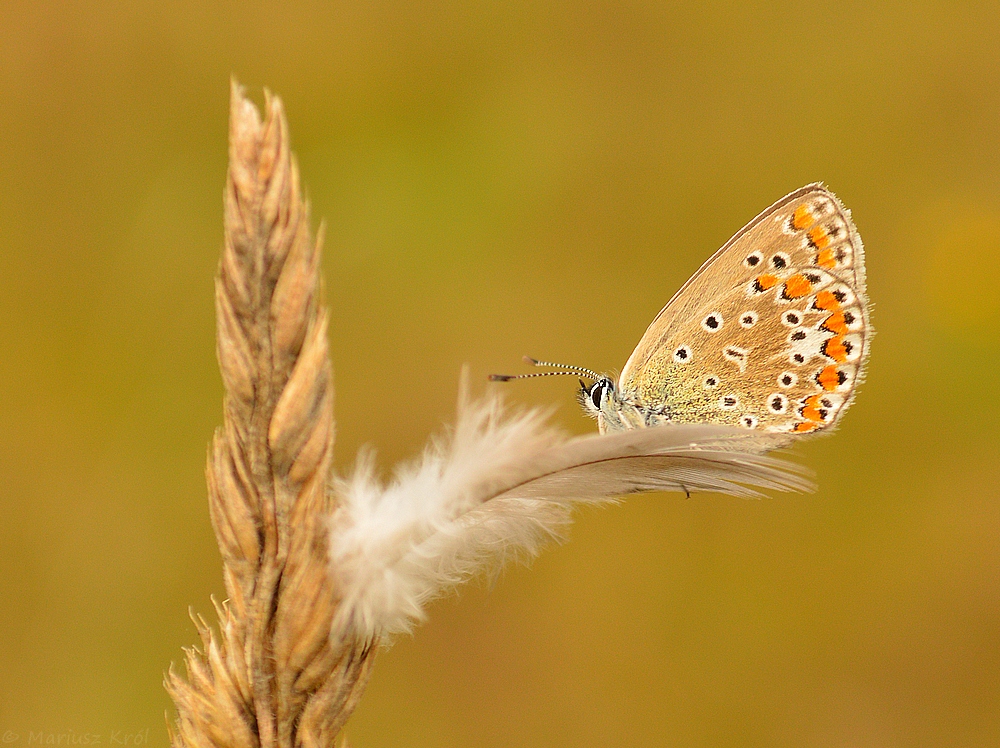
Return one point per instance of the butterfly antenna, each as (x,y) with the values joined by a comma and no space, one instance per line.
(569,369)
(564,370)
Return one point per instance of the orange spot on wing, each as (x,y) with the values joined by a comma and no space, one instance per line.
(826,259)
(811,411)
(835,323)
(834,348)
(766,281)
(802,217)
(812,414)
(826,300)
(819,238)
(829,379)
(805,426)
(796,287)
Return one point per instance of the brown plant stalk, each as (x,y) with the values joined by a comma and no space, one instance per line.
(271,676)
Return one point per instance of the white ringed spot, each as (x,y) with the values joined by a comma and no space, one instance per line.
(777,402)
(780,260)
(822,207)
(791,318)
(712,322)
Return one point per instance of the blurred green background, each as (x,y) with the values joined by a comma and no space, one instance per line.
(501,179)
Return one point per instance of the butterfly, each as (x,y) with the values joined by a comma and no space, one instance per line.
(771,333)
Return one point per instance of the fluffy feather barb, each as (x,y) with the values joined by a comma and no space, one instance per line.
(499,487)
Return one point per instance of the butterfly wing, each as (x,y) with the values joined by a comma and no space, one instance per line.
(772,332)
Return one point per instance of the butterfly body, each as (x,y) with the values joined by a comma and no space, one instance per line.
(771,333)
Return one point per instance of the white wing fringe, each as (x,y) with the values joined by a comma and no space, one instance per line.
(499,487)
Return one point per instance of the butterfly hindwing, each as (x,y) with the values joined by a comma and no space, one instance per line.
(771,333)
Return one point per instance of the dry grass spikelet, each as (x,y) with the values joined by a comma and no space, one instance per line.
(318,570)
(271,675)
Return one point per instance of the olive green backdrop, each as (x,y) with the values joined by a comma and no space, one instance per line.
(500,179)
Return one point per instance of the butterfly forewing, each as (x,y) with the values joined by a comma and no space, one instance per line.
(771,333)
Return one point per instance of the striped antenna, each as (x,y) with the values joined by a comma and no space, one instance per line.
(564,370)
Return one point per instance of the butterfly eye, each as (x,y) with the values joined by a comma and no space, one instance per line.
(597,393)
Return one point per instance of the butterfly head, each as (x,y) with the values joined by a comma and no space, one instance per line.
(600,400)
(598,397)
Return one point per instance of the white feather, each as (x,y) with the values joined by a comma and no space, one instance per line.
(500,487)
